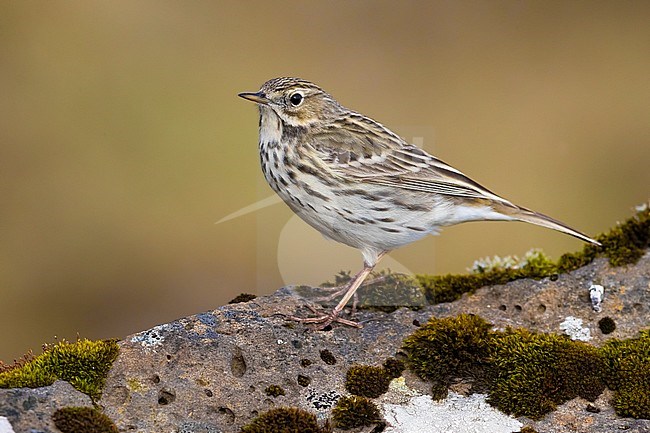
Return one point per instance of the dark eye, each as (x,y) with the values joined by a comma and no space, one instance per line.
(295,99)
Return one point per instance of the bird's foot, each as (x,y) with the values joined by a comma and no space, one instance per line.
(324,320)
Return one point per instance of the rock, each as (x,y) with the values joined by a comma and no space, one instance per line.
(579,415)
(456,413)
(208,372)
(543,305)
(215,371)
(214,368)
(30,410)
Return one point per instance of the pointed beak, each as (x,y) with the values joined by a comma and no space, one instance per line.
(259,97)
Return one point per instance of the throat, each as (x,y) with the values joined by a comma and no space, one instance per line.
(270,126)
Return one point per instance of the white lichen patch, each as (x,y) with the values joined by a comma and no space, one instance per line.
(399,392)
(456,414)
(152,337)
(487,264)
(572,326)
(5,425)
(596,292)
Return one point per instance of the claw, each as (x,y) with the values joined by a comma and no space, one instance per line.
(350,290)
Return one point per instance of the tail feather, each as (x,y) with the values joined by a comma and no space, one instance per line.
(529,216)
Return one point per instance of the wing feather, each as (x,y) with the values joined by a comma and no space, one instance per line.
(359,149)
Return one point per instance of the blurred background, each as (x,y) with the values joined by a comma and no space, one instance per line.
(122,141)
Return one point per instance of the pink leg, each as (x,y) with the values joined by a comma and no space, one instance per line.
(333,316)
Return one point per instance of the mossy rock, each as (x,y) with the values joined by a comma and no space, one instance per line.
(285,420)
(83,363)
(622,245)
(355,411)
(450,348)
(83,420)
(628,374)
(533,373)
(367,381)
(274,391)
(524,373)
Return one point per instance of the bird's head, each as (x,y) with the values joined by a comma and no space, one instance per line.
(295,101)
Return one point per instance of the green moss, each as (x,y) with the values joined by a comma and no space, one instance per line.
(607,325)
(533,373)
(393,367)
(367,381)
(622,245)
(355,411)
(242,297)
(524,373)
(303,380)
(448,288)
(285,420)
(628,374)
(571,261)
(274,391)
(447,349)
(83,363)
(83,420)
(527,373)
(327,357)
(134,385)
(387,291)
(439,391)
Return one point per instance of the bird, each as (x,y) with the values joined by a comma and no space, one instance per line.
(361,184)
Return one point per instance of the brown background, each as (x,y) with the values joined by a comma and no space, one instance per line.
(122,140)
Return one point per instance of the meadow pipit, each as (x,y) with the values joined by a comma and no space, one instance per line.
(359,183)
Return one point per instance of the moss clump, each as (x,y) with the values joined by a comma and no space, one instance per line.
(622,245)
(628,374)
(285,420)
(303,380)
(524,373)
(607,325)
(84,364)
(355,411)
(274,391)
(533,373)
(242,297)
(82,420)
(450,348)
(448,288)
(327,357)
(571,261)
(626,243)
(387,291)
(367,381)
(393,367)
